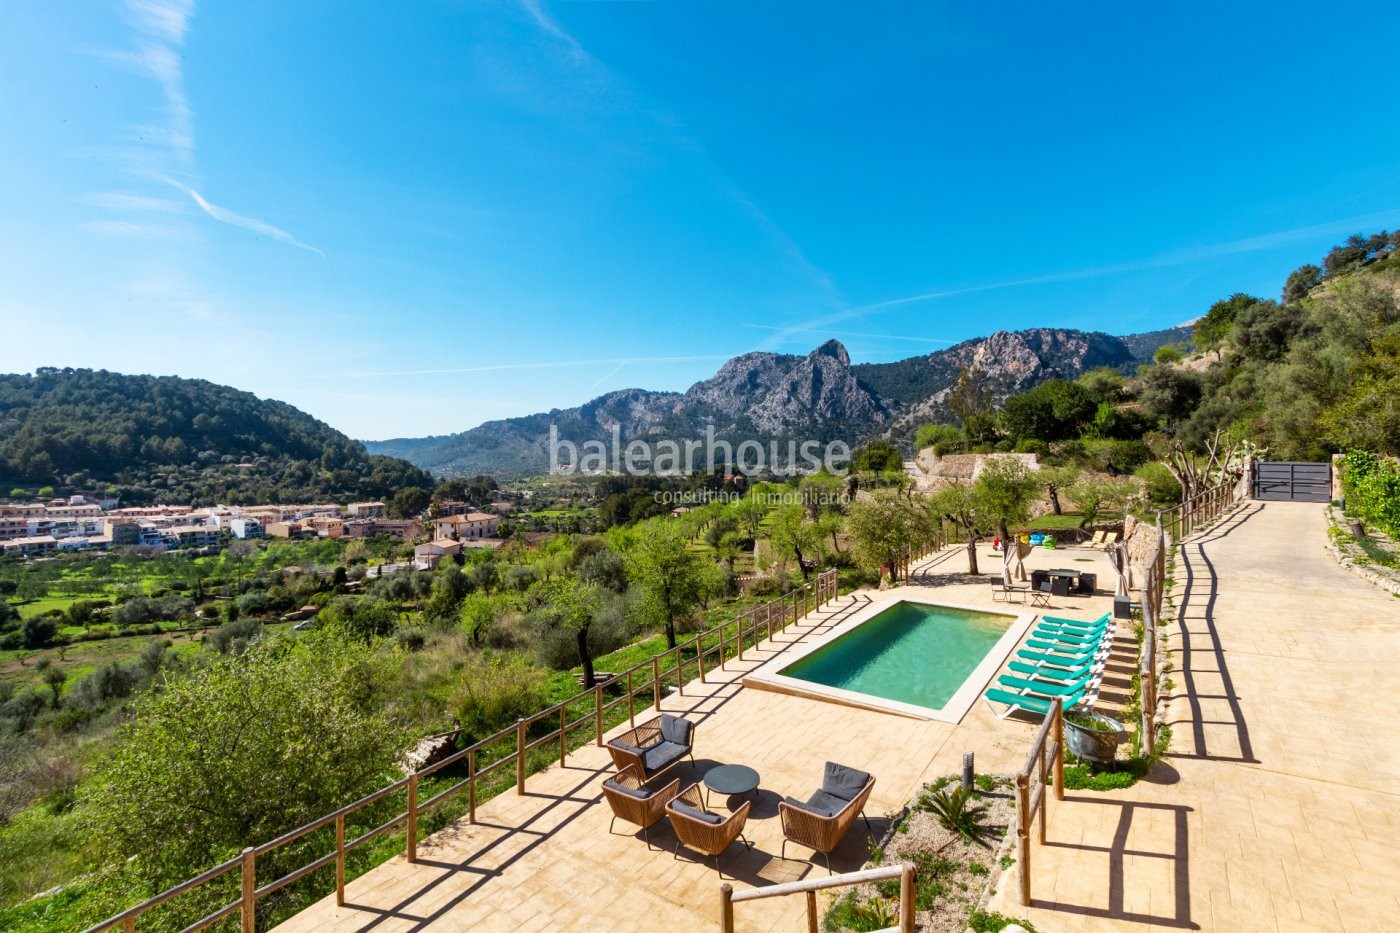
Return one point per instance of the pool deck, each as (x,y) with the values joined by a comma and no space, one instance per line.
(546,860)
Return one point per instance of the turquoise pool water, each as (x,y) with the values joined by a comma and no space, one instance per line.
(911,652)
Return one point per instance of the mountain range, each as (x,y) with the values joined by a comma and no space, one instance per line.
(780,397)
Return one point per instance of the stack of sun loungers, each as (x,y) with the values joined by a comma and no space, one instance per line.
(1062,662)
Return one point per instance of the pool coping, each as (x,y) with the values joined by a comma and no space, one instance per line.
(766,676)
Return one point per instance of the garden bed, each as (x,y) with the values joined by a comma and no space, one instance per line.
(953,872)
(1376,560)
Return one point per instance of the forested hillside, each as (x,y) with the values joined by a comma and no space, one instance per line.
(1311,373)
(166,439)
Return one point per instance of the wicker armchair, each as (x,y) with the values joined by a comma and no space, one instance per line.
(655,745)
(823,820)
(631,801)
(697,828)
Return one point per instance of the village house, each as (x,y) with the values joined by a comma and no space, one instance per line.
(472,525)
(427,556)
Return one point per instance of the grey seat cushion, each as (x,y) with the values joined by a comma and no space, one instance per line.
(705,815)
(662,755)
(641,793)
(804,805)
(841,781)
(825,804)
(676,729)
(618,743)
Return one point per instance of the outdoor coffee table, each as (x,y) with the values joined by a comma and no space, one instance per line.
(731,779)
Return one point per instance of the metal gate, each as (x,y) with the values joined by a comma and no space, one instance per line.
(1290,481)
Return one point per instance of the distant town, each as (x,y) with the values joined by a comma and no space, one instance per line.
(80,523)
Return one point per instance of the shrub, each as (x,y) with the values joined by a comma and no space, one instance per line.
(1162,488)
(496,690)
(1372,487)
(38,631)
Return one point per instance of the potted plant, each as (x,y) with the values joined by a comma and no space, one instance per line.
(1092,736)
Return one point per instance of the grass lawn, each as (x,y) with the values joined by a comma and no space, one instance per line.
(1066,522)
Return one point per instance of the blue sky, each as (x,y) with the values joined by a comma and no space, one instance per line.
(411,218)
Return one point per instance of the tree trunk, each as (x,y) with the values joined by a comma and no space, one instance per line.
(1055,500)
(585,658)
(972,553)
(671,633)
(802,564)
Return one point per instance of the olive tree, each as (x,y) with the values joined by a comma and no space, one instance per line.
(883,525)
(239,752)
(666,571)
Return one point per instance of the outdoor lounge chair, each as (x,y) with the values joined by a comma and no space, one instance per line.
(823,820)
(1096,542)
(699,829)
(1068,637)
(1045,688)
(630,799)
(1040,643)
(1030,703)
(655,745)
(1062,622)
(1006,590)
(1063,660)
(1054,673)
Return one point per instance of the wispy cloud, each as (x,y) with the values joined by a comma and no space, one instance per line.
(599,81)
(855,333)
(121,201)
(543,364)
(224,215)
(1180,257)
(166,148)
(130,228)
(613,372)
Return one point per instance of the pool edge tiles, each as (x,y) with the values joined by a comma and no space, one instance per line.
(768,676)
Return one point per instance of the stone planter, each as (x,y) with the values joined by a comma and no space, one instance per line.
(1093,745)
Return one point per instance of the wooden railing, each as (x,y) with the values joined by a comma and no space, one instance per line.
(1047,752)
(647,678)
(904,872)
(1200,510)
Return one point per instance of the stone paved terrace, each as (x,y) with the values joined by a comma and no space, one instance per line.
(566,872)
(1276,808)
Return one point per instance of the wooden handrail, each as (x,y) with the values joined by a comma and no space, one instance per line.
(1045,751)
(823,590)
(728,897)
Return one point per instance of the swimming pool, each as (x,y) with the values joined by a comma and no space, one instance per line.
(905,656)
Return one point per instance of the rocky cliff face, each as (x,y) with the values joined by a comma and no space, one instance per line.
(778,394)
(764,396)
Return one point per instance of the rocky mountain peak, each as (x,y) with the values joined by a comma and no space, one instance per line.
(834,349)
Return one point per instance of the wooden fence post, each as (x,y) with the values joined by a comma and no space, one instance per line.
(680,673)
(340,860)
(563,732)
(598,714)
(906,898)
(631,704)
(700,656)
(519,758)
(249,900)
(1059,730)
(812,912)
(411,852)
(1023,835)
(726,908)
(471,785)
(656,681)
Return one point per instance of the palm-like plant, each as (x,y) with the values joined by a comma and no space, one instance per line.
(958,811)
